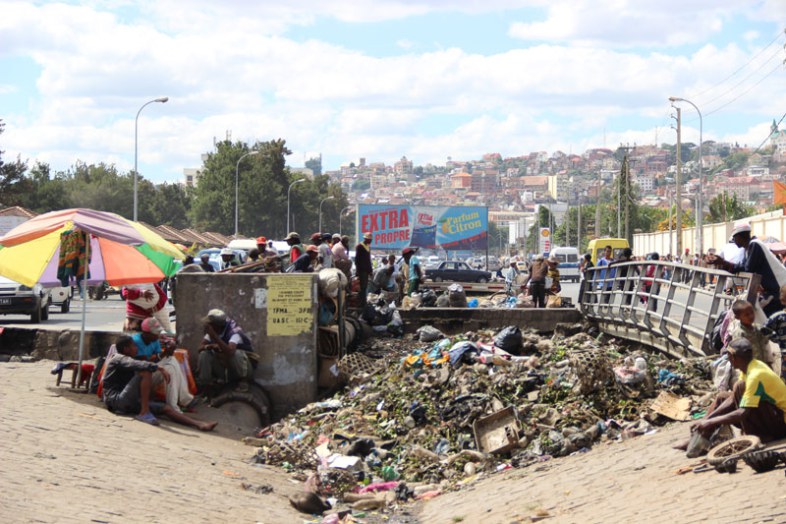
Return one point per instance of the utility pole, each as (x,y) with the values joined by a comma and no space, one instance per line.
(627,198)
(578,232)
(597,210)
(678,196)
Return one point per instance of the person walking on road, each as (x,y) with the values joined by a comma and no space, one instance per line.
(537,281)
(414,271)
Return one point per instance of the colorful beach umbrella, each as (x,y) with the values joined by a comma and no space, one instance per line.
(122,252)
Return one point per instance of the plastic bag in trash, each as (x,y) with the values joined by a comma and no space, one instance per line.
(509,339)
(464,351)
(429,334)
(428,298)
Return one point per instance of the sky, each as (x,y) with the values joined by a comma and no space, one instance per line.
(380,79)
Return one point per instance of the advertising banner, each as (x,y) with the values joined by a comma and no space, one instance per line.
(451,228)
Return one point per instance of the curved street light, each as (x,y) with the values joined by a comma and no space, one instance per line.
(700,196)
(340,215)
(320,211)
(288,192)
(237,185)
(161,100)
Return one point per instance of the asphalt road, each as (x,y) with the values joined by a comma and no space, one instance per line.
(104,315)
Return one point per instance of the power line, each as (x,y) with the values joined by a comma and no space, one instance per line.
(768,136)
(744,92)
(743,66)
(732,88)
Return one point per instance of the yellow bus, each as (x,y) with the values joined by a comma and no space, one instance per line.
(595,247)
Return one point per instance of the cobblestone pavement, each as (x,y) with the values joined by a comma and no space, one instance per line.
(65,458)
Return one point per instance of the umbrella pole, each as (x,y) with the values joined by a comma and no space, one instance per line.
(85,296)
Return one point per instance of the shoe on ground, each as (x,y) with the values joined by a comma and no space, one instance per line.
(148,418)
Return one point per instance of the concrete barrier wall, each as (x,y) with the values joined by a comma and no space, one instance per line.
(269,308)
(458,320)
(771,224)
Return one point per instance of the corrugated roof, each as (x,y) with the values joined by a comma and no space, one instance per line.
(17,211)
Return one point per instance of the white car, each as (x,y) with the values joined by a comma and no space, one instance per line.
(18,299)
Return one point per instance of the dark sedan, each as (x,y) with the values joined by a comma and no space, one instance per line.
(457,271)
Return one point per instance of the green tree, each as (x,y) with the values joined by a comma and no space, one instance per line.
(725,208)
(264,182)
(14,186)
(315,165)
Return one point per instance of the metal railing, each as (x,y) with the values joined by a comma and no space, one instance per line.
(673,310)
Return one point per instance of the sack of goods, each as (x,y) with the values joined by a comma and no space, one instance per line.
(457,296)
(331,280)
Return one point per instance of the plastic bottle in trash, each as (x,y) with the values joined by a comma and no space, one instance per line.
(641,364)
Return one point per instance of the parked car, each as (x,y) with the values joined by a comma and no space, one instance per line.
(457,271)
(18,299)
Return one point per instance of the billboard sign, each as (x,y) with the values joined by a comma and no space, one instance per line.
(451,228)
(544,241)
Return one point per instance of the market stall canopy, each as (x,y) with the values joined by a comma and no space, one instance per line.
(121,251)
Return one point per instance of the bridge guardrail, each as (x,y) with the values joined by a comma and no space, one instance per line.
(674,310)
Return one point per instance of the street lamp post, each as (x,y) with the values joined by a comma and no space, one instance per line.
(161,100)
(340,215)
(237,185)
(700,196)
(320,211)
(288,192)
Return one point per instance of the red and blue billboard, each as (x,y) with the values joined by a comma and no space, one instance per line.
(450,228)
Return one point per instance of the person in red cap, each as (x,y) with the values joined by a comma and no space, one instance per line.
(305,262)
(363,265)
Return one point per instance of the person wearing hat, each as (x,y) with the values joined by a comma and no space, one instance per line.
(757,402)
(128,388)
(340,257)
(305,262)
(552,276)
(148,344)
(756,259)
(414,270)
(227,258)
(295,247)
(204,263)
(224,353)
(363,266)
(537,281)
(511,274)
(325,251)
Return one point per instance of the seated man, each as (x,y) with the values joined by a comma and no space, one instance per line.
(223,354)
(128,384)
(756,403)
(148,344)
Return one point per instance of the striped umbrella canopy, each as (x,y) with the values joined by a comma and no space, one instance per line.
(121,251)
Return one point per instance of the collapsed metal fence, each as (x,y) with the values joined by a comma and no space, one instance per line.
(672,307)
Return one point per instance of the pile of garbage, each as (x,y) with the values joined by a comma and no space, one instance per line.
(455,296)
(439,411)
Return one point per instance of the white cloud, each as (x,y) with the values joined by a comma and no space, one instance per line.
(230,67)
(631,23)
